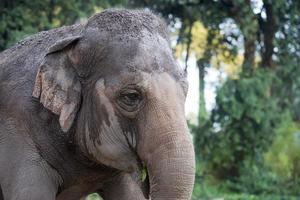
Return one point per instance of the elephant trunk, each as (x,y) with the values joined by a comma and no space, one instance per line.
(171,167)
(168,153)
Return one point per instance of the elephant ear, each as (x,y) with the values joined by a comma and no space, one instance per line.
(57,84)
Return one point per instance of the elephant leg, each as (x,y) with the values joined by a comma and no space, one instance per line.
(31,183)
(24,174)
(122,187)
(29,177)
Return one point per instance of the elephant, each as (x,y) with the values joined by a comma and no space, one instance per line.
(95,107)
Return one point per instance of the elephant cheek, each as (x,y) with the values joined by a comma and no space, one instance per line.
(111,149)
(110,145)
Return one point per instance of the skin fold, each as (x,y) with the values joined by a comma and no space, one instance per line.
(85,108)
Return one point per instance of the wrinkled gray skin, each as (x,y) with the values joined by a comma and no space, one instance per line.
(83,107)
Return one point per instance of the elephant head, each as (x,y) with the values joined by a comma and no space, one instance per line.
(119,90)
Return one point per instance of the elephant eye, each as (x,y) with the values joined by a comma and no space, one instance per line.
(129,99)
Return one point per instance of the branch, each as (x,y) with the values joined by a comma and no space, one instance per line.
(241,13)
(181,33)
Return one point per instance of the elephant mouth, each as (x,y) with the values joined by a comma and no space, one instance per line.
(145,184)
(141,177)
(140,173)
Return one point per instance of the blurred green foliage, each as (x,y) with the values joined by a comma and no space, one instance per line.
(283,155)
(241,125)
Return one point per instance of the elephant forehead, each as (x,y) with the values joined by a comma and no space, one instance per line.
(155,54)
(150,53)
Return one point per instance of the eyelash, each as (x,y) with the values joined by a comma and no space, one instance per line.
(129,99)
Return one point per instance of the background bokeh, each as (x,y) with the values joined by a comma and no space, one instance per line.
(243,107)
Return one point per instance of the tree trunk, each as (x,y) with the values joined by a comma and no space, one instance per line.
(202,64)
(269,30)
